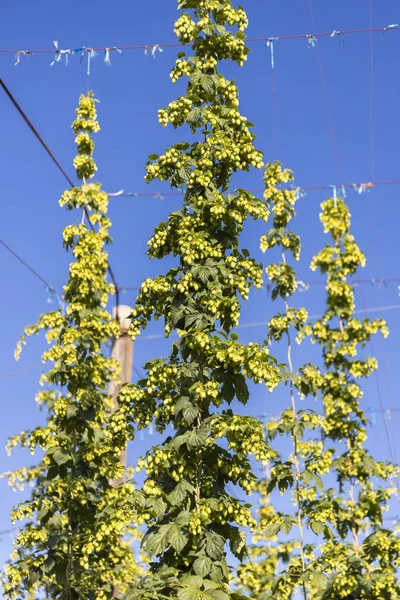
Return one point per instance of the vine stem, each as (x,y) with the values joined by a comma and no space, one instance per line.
(356,541)
(295,454)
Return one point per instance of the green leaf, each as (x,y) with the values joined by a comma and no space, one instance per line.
(202,566)
(71,411)
(180,492)
(153,156)
(307,477)
(228,391)
(272,530)
(214,545)
(272,483)
(48,564)
(213,591)
(61,456)
(177,539)
(191,589)
(184,172)
(197,437)
(181,404)
(319,484)
(219,571)
(241,389)
(183,518)
(190,412)
(207,82)
(319,580)
(317,528)
(156,543)
(237,539)
(195,76)
(299,430)
(189,593)
(159,507)
(286,526)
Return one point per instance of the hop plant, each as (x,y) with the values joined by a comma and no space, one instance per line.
(70,545)
(192,518)
(326,446)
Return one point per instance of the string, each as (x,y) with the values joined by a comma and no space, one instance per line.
(251,40)
(360,188)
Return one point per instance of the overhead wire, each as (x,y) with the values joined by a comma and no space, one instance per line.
(49,287)
(359,187)
(250,40)
(305,284)
(160,336)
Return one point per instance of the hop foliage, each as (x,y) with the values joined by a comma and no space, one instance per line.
(190,514)
(70,543)
(356,557)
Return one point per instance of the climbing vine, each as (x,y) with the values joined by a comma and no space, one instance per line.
(190,514)
(69,545)
(74,541)
(341,549)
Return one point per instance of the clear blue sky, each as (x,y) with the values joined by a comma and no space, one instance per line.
(131,91)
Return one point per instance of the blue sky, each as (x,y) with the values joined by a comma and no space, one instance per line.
(131,91)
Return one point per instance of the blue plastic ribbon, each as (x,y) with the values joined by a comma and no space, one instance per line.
(337,34)
(52,294)
(107,51)
(270,44)
(388,415)
(364,187)
(300,193)
(81,50)
(153,50)
(312,40)
(91,54)
(392,26)
(334,195)
(21,53)
(58,53)
(343,188)
(370,409)
(303,286)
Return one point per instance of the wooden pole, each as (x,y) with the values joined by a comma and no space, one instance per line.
(122,351)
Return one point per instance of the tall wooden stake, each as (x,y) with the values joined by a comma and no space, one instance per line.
(122,351)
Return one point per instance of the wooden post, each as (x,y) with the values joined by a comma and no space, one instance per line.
(122,351)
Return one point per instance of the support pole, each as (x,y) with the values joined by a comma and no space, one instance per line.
(122,351)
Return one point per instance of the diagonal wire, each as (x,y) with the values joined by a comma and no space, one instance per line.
(31,269)
(35,132)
